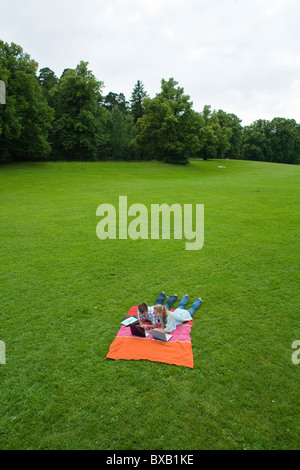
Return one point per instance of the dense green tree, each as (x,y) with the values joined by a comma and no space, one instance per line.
(284,137)
(209,142)
(120,130)
(80,120)
(223,135)
(136,101)
(26,118)
(48,80)
(272,141)
(81,124)
(256,142)
(215,139)
(165,131)
(113,99)
(232,122)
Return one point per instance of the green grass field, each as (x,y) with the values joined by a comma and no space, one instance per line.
(64,292)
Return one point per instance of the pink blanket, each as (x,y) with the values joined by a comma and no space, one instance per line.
(178,350)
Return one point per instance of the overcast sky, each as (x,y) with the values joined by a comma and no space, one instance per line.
(241,56)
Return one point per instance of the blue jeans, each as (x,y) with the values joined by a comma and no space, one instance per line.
(162,297)
(193,308)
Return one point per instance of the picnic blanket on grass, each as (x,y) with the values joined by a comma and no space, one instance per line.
(178,350)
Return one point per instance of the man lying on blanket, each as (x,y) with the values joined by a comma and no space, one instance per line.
(146,315)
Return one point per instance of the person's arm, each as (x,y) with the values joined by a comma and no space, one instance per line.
(151,325)
(154,322)
(140,319)
(161,329)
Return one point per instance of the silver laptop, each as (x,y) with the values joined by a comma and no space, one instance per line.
(160,335)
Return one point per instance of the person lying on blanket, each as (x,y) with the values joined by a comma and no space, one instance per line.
(146,313)
(170,320)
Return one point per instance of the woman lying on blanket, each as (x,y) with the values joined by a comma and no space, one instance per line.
(170,320)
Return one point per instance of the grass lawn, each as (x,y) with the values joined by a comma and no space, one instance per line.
(63,293)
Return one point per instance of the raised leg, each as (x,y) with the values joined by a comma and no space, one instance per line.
(195,306)
(183,302)
(160,299)
(170,301)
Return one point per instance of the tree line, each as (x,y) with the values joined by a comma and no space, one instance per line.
(69,118)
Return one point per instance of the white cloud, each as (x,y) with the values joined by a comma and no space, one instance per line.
(271,8)
(198,54)
(241,56)
(152,6)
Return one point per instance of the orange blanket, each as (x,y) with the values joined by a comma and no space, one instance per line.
(177,351)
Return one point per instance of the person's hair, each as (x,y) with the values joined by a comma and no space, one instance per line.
(163,311)
(143,307)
